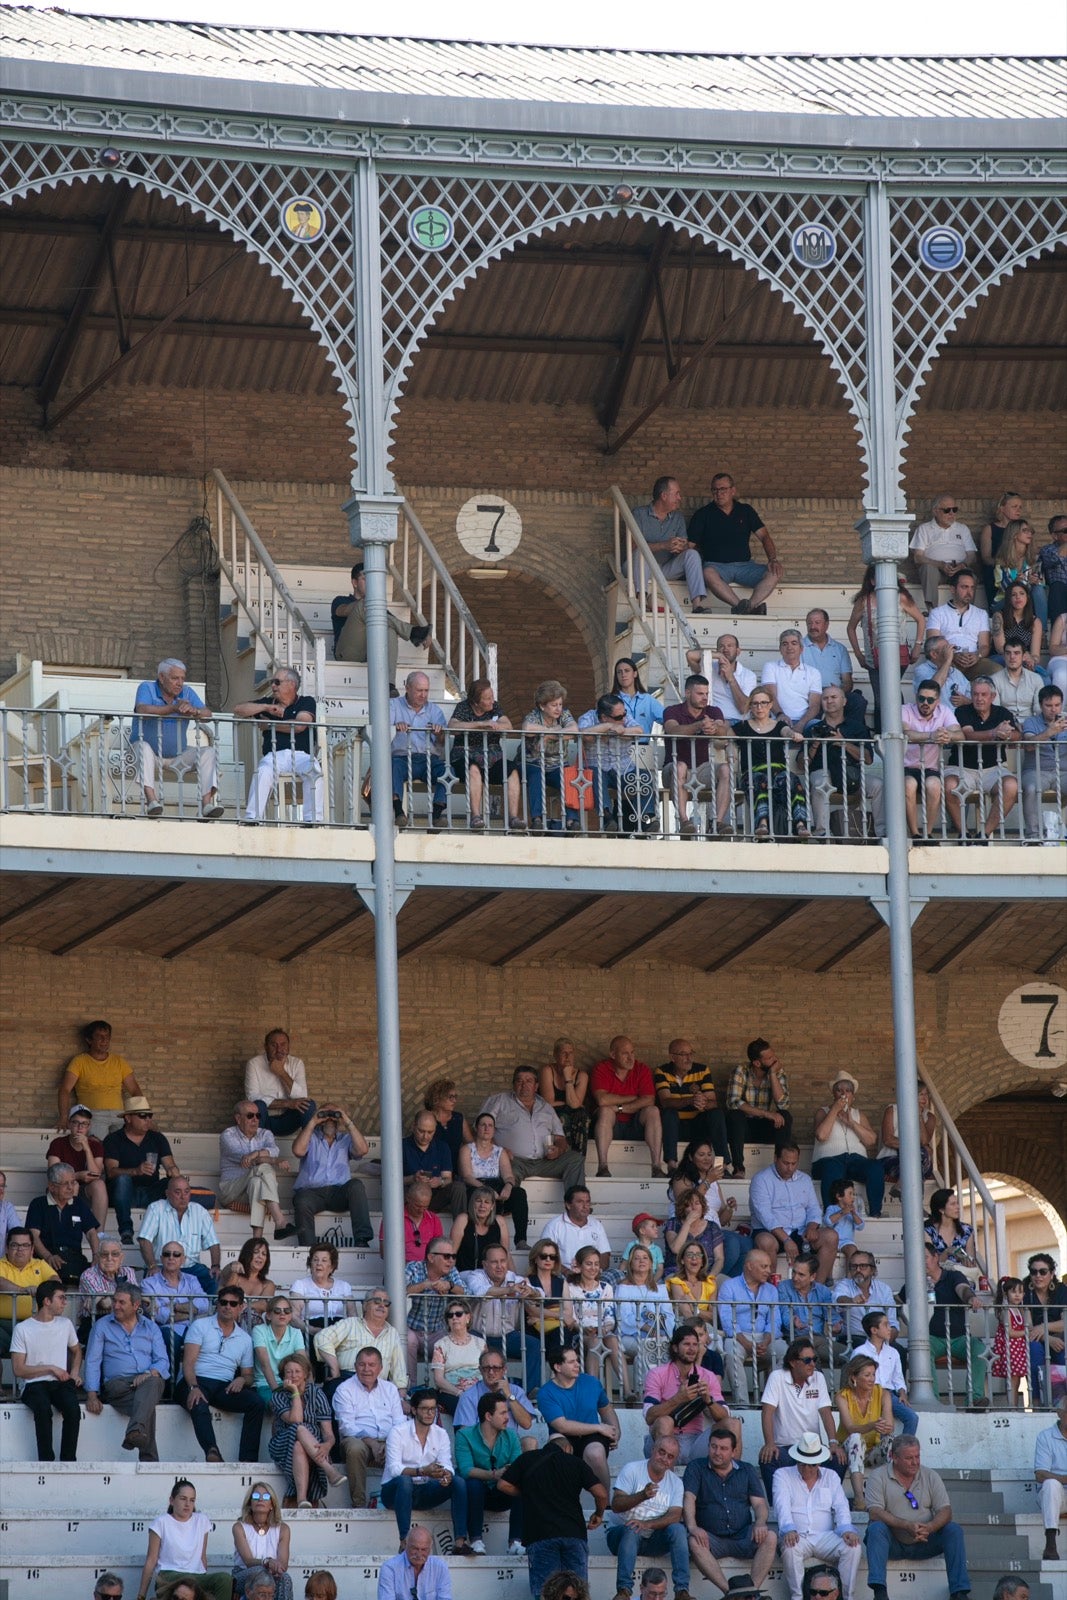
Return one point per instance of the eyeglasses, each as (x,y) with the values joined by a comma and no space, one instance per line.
(173,1255)
(1040,1272)
(229,1302)
(928,699)
(377,1300)
(910,1498)
(282,1311)
(146,1116)
(548,1255)
(496,1370)
(806,1361)
(261,1494)
(250,1116)
(274,682)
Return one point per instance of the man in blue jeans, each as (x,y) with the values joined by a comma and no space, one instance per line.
(417,728)
(646,1518)
(911,1520)
(554,1529)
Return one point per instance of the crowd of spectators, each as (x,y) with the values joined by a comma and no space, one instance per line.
(690,1324)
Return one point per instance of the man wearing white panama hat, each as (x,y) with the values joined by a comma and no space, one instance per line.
(814,1520)
(845,1144)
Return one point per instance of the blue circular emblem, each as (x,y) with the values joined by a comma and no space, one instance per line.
(431,228)
(942,249)
(814,245)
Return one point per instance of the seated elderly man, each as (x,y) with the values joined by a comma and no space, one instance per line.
(942,547)
(1050,1472)
(415,1571)
(276,1083)
(339,1343)
(795,1402)
(966,627)
(981,768)
(163,713)
(786,1214)
(60,1222)
(937,668)
(813,1517)
(748,1313)
(795,687)
(532,1134)
(836,755)
(418,738)
(126,1366)
(623,792)
(287,721)
(366,1407)
(430,1284)
(249,1163)
(85,1155)
(646,1518)
(911,1520)
(178,1218)
(831,661)
(1044,758)
(624,1092)
(499,1296)
(930,725)
(138,1162)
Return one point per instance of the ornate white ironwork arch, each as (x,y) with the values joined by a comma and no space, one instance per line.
(1000,234)
(244,199)
(490,216)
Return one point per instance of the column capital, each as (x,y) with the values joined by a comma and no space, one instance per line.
(884,535)
(373,518)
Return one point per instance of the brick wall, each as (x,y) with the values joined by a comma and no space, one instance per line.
(188,1025)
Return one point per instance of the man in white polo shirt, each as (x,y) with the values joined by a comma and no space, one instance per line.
(796,687)
(574,1228)
(966,627)
(942,547)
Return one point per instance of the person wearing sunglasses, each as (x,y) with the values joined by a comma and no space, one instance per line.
(249,1164)
(109,1586)
(624,796)
(795,1402)
(287,720)
(1046,1301)
(911,1520)
(821,1583)
(813,1516)
(261,1543)
(942,546)
(218,1370)
(138,1163)
(930,725)
(431,1284)
(339,1344)
(179,1217)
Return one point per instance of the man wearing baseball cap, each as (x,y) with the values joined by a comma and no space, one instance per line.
(814,1520)
(138,1163)
(845,1144)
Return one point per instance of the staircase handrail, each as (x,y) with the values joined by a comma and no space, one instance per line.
(955,1163)
(449,650)
(273,597)
(655,602)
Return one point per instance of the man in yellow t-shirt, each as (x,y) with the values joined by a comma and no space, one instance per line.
(19,1269)
(101,1080)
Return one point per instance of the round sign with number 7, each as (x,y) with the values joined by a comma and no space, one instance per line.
(1033,1026)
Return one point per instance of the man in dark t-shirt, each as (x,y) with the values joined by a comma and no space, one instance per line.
(287,720)
(554,1528)
(688,759)
(722,531)
(987,729)
(139,1163)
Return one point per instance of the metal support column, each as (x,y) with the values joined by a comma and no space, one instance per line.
(372,520)
(884,541)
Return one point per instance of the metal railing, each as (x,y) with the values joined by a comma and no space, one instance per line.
(651,601)
(457,777)
(429,591)
(959,1173)
(261,593)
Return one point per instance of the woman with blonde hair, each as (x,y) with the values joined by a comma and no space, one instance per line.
(692,1287)
(476,1229)
(550,745)
(865,1422)
(1008,509)
(261,1540)
(644,1313)
(1017,563)
(440,1097)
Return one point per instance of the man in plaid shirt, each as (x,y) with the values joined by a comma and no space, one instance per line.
(431,1284)
(757,1103)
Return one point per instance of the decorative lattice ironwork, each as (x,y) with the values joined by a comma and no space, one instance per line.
(491,216)
(1000,234)
(245,199)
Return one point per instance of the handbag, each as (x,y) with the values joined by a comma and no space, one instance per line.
(577,798)
(686,1411)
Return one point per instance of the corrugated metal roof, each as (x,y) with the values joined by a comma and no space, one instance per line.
(957,87)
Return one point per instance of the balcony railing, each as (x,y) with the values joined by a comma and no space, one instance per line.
(591,781)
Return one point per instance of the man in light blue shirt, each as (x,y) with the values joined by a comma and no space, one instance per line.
(217,1370)
(415,1574)
(325,1182)
(803,1312)
(418,737)
(1050,1470)
(748,1311)
(178,1217)
(1044,758)
(159,734)
(125,1363)
(786,1214)
(831,661)
(937,663)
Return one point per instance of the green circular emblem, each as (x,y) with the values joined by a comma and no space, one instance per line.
(431,228)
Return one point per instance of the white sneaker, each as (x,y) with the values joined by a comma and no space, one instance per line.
(478,1546)
(516,1548)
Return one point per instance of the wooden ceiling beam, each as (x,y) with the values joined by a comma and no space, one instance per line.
(608,412)
(967,943)
(312,943)
(62,351)
(115,921)
(453,921)
(53,892)
(678,915)
(571,915)
(227,922)
(876,927)
(743,947)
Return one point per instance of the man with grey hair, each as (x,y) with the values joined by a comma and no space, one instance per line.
(1011,1587)
(109,1586)
(59,1221)
(126,1366)
(942,546)
(937,666)
(258,1584)
(164,712)
(416,1571)
(796,688)
(287,719)
(418,738)
(249,1163)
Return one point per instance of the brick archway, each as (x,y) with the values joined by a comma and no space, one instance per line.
(538,635)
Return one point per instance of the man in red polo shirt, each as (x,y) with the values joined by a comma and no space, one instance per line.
(625,1094)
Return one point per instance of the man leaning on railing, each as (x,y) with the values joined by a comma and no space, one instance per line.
(164,711)
(287,720)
